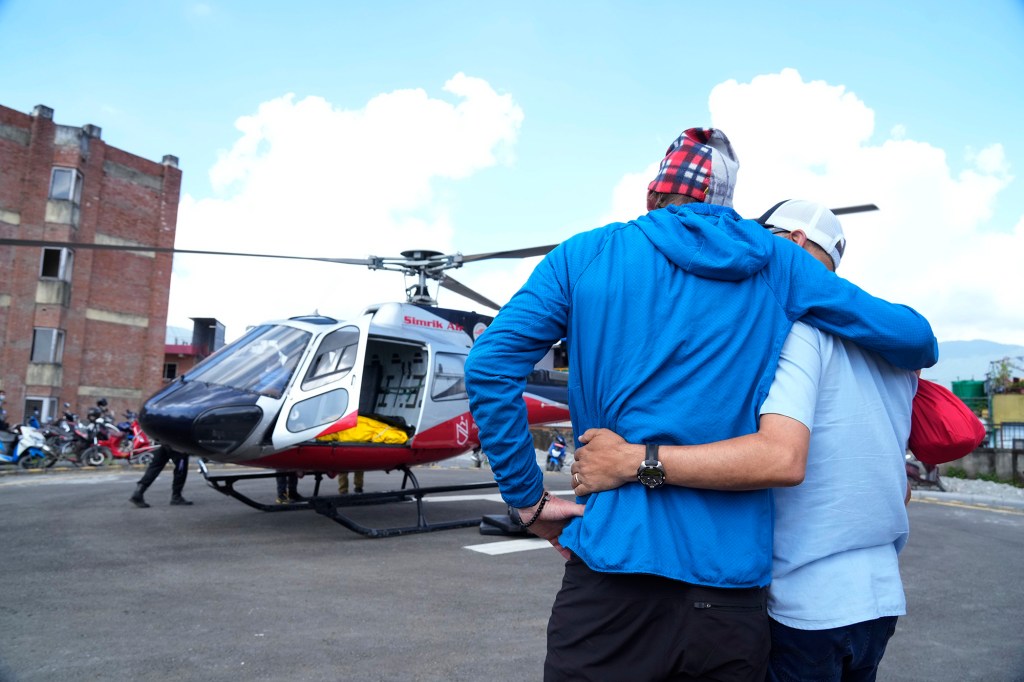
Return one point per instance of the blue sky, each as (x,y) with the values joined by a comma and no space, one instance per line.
(344,129)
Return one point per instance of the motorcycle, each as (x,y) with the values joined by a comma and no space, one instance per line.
(25,446)
(60,431)
(920,474)
(556,454)
(479,457)
(101,433)
(71,440)
(128,441)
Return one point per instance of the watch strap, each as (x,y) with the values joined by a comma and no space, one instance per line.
(651,454)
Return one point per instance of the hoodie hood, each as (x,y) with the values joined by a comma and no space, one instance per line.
(713,242)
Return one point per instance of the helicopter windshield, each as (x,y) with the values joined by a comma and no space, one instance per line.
(262,361)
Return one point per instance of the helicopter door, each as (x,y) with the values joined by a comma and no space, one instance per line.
(324,397)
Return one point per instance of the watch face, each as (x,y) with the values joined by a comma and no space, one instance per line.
(651,477)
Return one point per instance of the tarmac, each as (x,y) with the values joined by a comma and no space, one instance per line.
(97,589)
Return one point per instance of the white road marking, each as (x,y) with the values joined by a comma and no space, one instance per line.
(509,546)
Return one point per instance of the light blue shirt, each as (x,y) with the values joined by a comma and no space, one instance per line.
(838,534)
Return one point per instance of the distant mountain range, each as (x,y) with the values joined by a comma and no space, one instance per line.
(966,360)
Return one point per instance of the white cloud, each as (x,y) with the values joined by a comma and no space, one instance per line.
(307,178)
(629,196)
(930,246)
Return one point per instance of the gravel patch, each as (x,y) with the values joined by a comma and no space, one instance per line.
(997,491)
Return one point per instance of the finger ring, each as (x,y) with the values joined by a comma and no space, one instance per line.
(576,477)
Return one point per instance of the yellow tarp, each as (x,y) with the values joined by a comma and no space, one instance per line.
(368,431)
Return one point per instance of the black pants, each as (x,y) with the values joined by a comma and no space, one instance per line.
(287,484)
(161,456)
(642,628)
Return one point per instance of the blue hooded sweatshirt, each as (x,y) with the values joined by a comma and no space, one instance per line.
(674,324)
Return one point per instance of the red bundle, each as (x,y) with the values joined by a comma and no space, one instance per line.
(942,427)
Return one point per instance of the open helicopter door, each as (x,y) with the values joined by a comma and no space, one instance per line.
(324,396)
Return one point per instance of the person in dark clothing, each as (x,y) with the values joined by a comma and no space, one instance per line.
(288,488)
(160,458)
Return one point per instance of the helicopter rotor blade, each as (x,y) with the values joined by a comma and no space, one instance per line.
(513,253)
(463,290)
(854,209)
(166,249)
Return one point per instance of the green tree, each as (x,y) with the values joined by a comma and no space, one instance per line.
(1001,374)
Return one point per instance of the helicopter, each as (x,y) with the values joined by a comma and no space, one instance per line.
(285,395)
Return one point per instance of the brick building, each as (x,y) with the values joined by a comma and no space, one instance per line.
(80,324)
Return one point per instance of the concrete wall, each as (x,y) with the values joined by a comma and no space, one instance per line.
(989,461)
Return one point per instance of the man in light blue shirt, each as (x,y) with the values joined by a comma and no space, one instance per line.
(836,588)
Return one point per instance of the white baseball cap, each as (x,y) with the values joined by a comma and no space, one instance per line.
(816,221)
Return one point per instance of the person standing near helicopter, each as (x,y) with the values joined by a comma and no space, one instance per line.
(838,419)
(687,305)
(161,456)
(357,482)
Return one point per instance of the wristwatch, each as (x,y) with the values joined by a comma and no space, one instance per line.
(651,473)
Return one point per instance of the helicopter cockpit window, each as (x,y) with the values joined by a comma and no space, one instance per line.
(334,358)
(262,361)
(449,377)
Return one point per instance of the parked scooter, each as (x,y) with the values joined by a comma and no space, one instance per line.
(128,442)
(921,474)
(556,454)
(25,446)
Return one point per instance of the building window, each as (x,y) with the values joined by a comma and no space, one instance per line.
(57,264)
(64,204)
(47,345)
(44,409)
(170,371)
(66,184)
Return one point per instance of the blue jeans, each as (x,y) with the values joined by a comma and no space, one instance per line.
(850,653)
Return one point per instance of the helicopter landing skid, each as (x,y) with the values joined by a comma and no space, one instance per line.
(331,506)
(225,484)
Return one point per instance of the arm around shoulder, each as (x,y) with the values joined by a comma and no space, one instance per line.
(824,300)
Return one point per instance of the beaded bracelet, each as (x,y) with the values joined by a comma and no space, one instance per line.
(536,515)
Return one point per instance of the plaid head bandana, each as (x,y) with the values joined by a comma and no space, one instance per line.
(699,164)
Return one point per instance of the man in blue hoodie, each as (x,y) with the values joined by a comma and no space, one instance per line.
(838,419)
(674,323)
